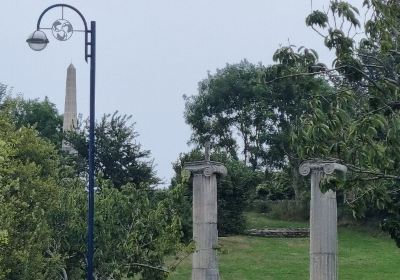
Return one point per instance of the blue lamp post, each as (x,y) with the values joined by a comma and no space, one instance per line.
(62,30)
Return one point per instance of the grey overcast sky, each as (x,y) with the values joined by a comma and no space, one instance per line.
(149,53)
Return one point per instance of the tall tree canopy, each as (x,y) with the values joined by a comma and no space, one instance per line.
(246,110)
(119,157)
(28,195)
(42,115)
(233,191)
(43,203)
(359,124)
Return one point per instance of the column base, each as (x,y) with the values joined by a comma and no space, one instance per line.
(205,274)
(323,266)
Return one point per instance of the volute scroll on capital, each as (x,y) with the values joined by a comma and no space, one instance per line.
(207,168)
(305,169)
(327,167)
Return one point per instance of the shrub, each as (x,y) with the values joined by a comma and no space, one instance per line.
(233,191)
(289,210)
(260,206)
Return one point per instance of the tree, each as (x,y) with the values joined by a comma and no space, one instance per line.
(42,115)
(229,103)
(234,192)
(28,194)
(119,157)
(134,233)
(43,203)
(359,124)
(252,102)
(43,218)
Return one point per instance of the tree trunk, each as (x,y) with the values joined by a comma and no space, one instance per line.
(295,182)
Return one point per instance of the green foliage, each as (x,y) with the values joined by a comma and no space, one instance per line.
(119,157)
(230,100)
(251,107)
(41,115)
(393,228)
(317,18)
(134,233)
(363,255)
(28,193)
(234,192)
(346,11)
(358,125)
(43,214)
(289,210)
(277,187)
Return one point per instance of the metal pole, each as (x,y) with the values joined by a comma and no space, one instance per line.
(90,237)
(92,55)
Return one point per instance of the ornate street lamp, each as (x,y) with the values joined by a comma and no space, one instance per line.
(38,40)
(62,30)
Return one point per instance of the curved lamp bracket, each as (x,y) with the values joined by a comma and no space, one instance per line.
(68,32)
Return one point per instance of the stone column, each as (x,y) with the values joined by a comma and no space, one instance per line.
(205,233)
(323,220)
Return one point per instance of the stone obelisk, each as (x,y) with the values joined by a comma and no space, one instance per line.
(205,233)
(70,108)
(323,220)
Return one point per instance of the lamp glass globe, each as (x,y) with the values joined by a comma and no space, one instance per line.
(37,41)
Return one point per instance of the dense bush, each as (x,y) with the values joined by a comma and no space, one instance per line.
(234,191)
(289,210)
(43,214)
(233,195)
(272,190)
(259,206)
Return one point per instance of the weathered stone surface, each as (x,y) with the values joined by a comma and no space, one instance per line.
(205,191)
(207,168)
(201,274)
(70,109)
(323,220)
(205,233)
(280,232)
(328,167)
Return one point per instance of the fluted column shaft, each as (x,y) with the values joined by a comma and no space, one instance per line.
(205,233)
(323,231)
(323,221)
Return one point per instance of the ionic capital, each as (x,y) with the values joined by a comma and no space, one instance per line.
(325,166)
(207,168)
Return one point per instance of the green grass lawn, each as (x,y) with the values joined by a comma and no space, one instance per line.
(362,255)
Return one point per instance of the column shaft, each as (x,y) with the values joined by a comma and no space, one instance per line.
(323,231)
(205,234)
